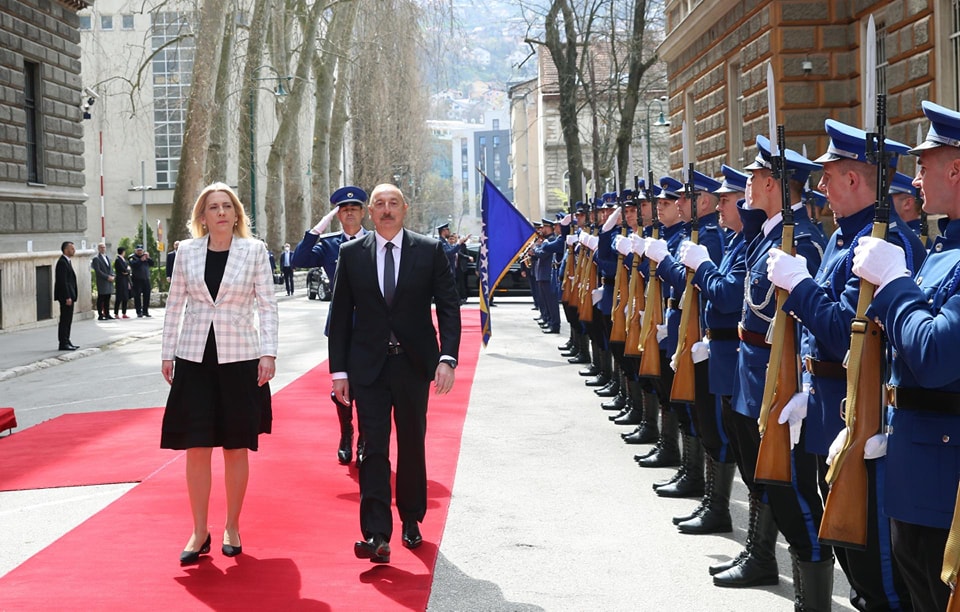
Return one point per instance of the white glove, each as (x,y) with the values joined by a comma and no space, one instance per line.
(875,446)
(566,220)
(597,295)
(593,242)
(692,255)
(572,239)
(673,362)
(836,445)
(638,243)
(324,223)
(786,271)
(582,237)
(656,249)
(794,413)
(623,245)
(612,220)
(661,332)
(879,262)
(700,351)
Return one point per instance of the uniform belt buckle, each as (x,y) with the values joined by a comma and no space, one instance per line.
(808,363)
(891,395)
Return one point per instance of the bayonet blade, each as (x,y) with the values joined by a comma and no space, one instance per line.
(870,79)
(684,150)
(772,110)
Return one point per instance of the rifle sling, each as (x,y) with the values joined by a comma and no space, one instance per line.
(752,338)
(913,398)
(824,369)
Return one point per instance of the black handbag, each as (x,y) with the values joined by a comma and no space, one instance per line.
(277,279)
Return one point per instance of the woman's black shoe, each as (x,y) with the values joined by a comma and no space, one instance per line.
(231,551)
(192,556)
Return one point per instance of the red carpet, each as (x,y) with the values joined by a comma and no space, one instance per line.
(300,520)
(84,449)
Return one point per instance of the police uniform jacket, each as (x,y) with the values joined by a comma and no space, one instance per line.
(321,251)
(543,264)
(825,305)
(673,284)
(760,304)
(922,320)
(607,258)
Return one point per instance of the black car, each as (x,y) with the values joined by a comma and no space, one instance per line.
(318,285)
(512,283)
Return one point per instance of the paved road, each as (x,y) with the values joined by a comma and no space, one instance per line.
(548,511)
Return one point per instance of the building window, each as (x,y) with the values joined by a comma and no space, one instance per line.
(496,124)
(734,115)
(126,22)
(496,141)
(172,70)
(953,87)
(106,22)
(86,22)
(483,141)
(496,166)
(33,121)
(882,58)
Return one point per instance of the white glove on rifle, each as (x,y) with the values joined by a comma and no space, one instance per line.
(673,362)
(661,332)
(597,295)
(836,445)
(582,237)
(593,242)
(879,262)
(324,223)
(875,446)
(786,271)
(700,351)
(566,220)
(638,242)
(692,255)
(572,239)
(612,220)
(623,245)
(656,249)
(794,413)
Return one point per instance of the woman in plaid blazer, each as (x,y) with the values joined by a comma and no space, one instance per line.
(216,357)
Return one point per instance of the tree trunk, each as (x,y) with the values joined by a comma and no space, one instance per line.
(637,67)
(219,133)
(246,160)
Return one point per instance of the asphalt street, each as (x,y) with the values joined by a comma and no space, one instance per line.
(548,510)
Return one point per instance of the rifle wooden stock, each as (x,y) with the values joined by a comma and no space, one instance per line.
(954,604)
(618,330)
(845,513)
(636,306)
(684,385)
(652,317)
(569,272)
(951,558)
(587,284)
(782,382)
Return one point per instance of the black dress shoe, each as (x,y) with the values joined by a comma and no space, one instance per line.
(597,381)
(579,358)
(192,556)
(229,550)
(376,548)
(361,450)
(590,370)
(411,534)
(551,330)
(67,347)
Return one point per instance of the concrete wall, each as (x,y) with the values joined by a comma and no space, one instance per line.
(19,287)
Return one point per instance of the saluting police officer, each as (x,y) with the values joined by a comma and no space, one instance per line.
(922,321)
(545,256)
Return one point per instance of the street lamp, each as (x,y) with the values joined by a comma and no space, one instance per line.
(278,91)
(662,121)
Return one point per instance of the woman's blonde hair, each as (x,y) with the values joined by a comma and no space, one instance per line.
(198,230)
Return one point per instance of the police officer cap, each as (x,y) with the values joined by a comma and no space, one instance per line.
(670,188)
(138,247)
(609,199)
(537,224)
(798,166)
(848,142)
(944,127)
(545,222)
(734,181)
(815,197)
(902,183)
(558,216)
(702,182)
(579,207)
(628,197)
(348,196)
(440,228)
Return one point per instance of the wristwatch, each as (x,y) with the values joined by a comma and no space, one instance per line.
(450,361)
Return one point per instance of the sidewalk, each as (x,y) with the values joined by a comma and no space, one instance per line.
(32,349)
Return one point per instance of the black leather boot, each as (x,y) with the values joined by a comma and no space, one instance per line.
(344,415)
(618,402)
(612,389)
(690,483)
(583,352)
(816,586)
(704,501)
(648,431)
(631,417)
(757,564)
(667,451)
(715,517)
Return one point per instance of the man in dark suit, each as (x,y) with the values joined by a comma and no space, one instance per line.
(140,264)
(286,267)
(104,277)
(65,292)
(384,353)
(171,260)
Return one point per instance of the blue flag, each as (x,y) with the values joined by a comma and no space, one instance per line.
(504,235)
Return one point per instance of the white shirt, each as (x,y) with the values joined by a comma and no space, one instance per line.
(775,220)
(382,252)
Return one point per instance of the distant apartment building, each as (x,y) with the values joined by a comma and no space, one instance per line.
(41,158)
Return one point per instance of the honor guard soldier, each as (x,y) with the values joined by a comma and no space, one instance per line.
(607,259)
(579,350)
(597,329)
(797,508)
(920,318)
(322,250)
(905,202)
(546,256)
(826,304)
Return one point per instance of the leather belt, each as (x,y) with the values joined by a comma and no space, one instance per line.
(913,398)
(722,334)
(609,279)
(673,304)
(824,369)
(752,338)
(394,349)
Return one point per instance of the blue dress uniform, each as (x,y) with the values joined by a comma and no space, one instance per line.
(797,508)
(544,274)
(825,305)
(902,183)
(920,318)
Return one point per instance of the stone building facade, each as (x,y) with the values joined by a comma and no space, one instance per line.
(42,199)
(717,51)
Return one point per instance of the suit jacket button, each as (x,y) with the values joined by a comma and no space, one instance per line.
(946,439)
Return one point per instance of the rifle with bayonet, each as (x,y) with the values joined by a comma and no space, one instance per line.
(918,196)
(569,266)
(653,313)
(783,370)
(635,292)
(845,512)
(618,329)
(684,387)
(588,279)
